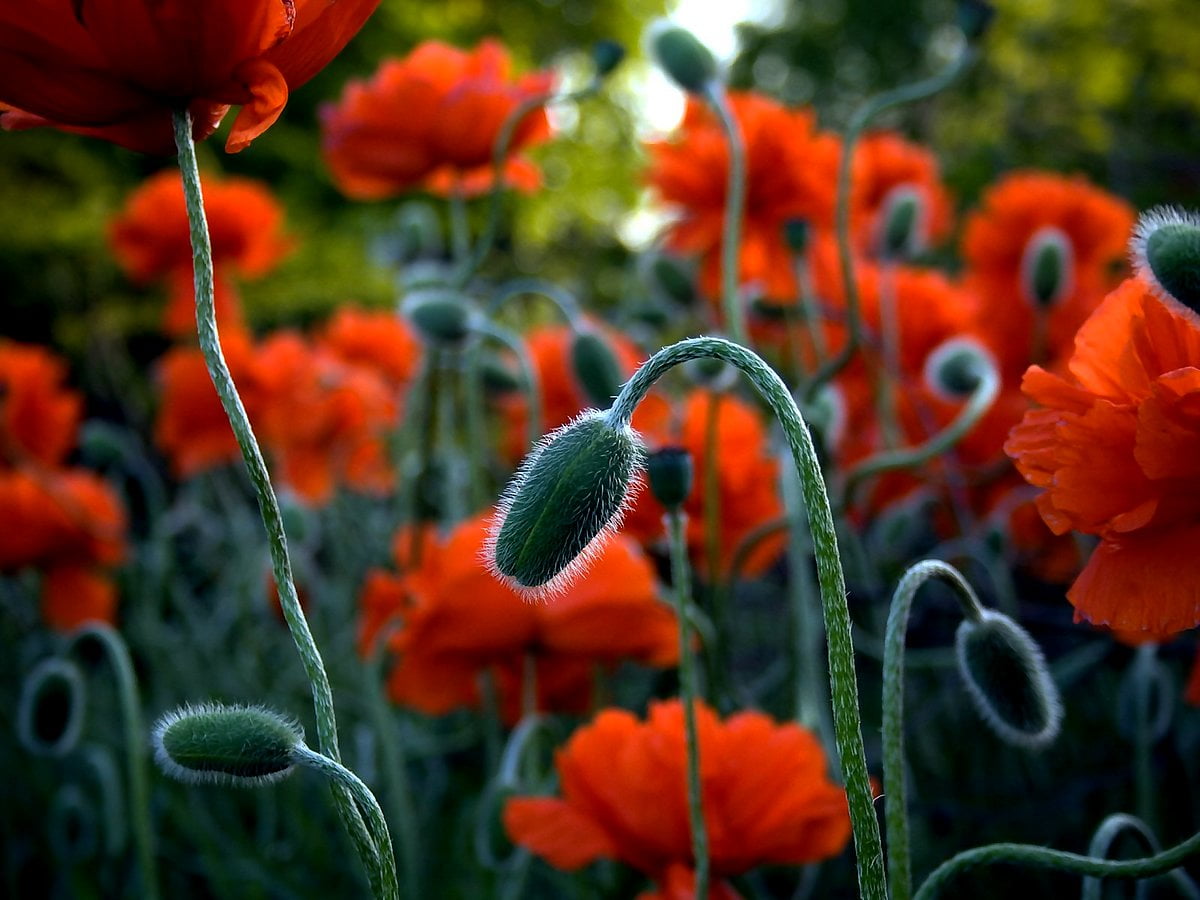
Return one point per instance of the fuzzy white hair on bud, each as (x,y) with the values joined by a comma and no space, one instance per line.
(1165,253)
(235,744)
(955,367)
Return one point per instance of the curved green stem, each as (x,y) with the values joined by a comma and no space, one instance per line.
(895,791)
(862,118)
(268,503)
(529,377)
(504,139)
(389,888)
(568,306)
(1060,860)
(843,681)
(1110,829)
(735,203)
(135,744)
(676,521)
(968,417)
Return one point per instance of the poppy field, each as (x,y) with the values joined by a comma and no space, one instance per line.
(523,451)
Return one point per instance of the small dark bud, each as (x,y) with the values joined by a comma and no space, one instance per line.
(596,368)
(51,708)
(902,224)
(441,316)
(688,62)
(669,472)
(796,234)
(1047,266)
(671,280)
(607,55)
(497,377)
(956,367)
(974,18)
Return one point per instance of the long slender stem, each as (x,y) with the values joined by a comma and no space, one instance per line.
(352,784)
(735,203)
(1046,858)
(862,118)
(895,789)
(529,376)
(268,503)
(1110,829)
(843,681)
(676,521)
(135,744)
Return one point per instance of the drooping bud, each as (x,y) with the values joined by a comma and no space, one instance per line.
(1007,677)
(955,368)
(441,316)
(596,368)
(1166,253)
(213,743)
(497,377)
(51,708)
(796,234)
(902,224)
(669,472)
(688,62)
(974,18)
(606,56)
(569,494)
(1047,267)
(669,279)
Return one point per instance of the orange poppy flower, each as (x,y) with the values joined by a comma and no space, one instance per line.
(119,70)
(459,622)
(39,417)
(74,595)
(1016,213)
(378,340)
(767,799)
(431,119)
(747,476)
(1115,449)
(151,240)
(885,163)
(791,173)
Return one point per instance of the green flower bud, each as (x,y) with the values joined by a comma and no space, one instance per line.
(596,367)
(1166,253)
(1047,267)
(955,368)
(670,476)
(497,377)
(606,56)
(669,279)
(974,18)
(688,62)
(217,744)
(51,708)
(568,496)
(1007,678)
(796,234)
(902,224)
(440,315)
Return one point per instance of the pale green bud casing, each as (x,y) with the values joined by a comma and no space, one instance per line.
(688,62)
(596,368)
(1007,678)
(1166,253)
(568,496)
(954,369)
(212,743)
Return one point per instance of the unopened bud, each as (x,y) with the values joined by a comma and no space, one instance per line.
(596,368)
(441,316)
(902,224)
(826,415)
(1007,677)
(669,472)
(51,708)
(796,234)
(497,377)
(955,368)
(1166,253)
(1047,266)
(974,18)
(670,280)
(688,62)
(213,743)
(569,494)
(606,56)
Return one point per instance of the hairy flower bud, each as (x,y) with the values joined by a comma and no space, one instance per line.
(212,743)
(1166,253)
(669,472)
(688,62)
(50,710)
(568,496)
(596,367)
(954,369)
(1047,266)
(1007,677)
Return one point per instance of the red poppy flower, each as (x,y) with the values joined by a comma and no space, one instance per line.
(459,622)
(73,595)
(767,799)
(747,477)
(886,164)
(1115,449)
(1016,213)
(432,119)
(151,240)
(39,416)
(377,340)
(791,173)
(119,70)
